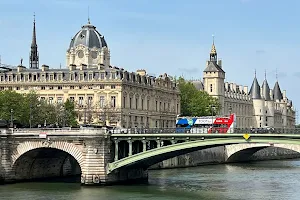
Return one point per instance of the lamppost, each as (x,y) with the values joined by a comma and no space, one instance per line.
(84,115)
(212,107)
(11,118)
(30,113)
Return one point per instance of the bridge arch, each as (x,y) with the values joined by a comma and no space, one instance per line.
(153,156)
(43,159)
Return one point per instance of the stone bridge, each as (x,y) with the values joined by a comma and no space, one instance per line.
(99,157)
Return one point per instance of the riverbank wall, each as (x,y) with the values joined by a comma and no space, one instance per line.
(217,155)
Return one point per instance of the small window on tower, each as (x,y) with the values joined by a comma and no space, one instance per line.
(211,88)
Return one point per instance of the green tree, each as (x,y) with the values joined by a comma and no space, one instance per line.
(195,102)
(70,114)
(10,104)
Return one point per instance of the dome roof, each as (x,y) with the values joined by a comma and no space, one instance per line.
(89,37)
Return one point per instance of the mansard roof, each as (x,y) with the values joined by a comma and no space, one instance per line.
(198,85)
(255,90)
(213,67)
(266,90)
(277,95)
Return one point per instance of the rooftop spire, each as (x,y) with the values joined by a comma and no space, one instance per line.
(89,22)
(255,73)
(213,52)
(33,43)
(34,57)
(265,74)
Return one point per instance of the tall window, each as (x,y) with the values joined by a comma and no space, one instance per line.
(148,104)
(130,102)
(211,87)
(113,101)
(102,101)
(51,100)
(90,101)
(72,99)
(142,104)
(124,102)
(59,99)
(102,76)
(136,103)
(156,105)
(80,102)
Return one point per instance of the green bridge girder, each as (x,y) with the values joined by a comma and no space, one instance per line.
(194,142)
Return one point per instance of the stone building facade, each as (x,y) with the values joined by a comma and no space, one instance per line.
(103,94)
(258,107)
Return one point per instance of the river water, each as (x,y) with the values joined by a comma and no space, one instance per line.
(257,180)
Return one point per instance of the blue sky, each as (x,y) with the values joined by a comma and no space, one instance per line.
(166,35)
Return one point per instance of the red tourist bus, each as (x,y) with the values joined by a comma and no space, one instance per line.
(206,124)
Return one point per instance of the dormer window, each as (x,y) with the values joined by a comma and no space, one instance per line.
(81,36)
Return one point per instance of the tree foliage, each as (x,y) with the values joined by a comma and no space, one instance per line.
(195,102)
(27,110)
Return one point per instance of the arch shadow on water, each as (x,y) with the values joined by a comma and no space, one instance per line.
(46,165)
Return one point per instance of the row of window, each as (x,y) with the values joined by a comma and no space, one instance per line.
(81,102)
(83,76)
(159,106)
(101,87)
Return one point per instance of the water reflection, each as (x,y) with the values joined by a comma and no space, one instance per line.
(257,180)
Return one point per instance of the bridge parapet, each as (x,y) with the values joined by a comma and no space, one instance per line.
(54,132)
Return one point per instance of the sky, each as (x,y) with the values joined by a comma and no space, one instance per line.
(172,36)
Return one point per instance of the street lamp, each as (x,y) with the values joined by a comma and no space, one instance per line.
(30,113)
(84,122)
(212,114)
(11,118)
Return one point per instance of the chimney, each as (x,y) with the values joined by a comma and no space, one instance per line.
(284,94)
(141,72)
(21,68)
(226,86)
(246,89)
(241,88)
(45,68)
(72,67)
(234,87)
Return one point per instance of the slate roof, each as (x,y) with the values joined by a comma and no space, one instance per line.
(88,36)
(255,90)
(277,95)
(266,91)
(213,67)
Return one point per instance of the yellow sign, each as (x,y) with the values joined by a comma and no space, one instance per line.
(246,136)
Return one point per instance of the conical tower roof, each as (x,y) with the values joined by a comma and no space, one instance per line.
(255,90)
(266,89)
(277,95)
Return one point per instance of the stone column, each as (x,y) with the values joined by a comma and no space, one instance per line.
(130,148)
(116,150)
(144,145)
(97,154)
(158,143)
